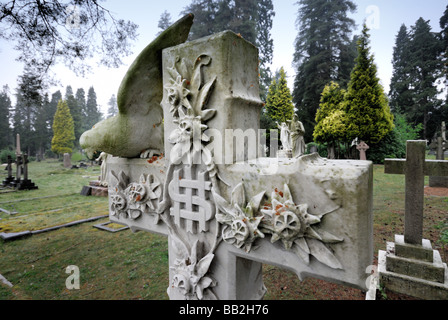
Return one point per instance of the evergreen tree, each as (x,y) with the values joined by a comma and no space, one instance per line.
(164,21)
(75,111)
(51,110)
(400,95)
(64,130)
(279,106)
(28,101)
(368,114)
(80,98)
(42,135)
(5,130)
(331,119)
(425,69)
(113,107)
(265,43)
(92,111)
(323,48)
(444,38)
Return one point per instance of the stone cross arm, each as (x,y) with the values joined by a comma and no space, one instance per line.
(431,167)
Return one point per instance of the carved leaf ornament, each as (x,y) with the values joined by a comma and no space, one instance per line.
(188,100)
(290,223)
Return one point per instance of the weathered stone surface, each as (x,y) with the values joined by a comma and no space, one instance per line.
(412,286)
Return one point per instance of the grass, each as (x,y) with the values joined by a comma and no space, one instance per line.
(128,266)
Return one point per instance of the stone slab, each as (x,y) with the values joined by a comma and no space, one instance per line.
(14,235)
(411,251)
(86,191)
(419,288)
(102,226)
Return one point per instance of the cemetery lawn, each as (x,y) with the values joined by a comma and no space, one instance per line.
(128,266)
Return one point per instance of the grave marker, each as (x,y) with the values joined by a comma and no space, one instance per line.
(225,210)
(410,265)
(362,148)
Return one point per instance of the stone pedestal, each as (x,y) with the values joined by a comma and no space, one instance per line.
(414,270)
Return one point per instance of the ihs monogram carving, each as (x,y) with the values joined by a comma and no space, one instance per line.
(191,204)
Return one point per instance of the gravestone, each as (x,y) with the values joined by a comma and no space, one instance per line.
(362,148)
(410,265)
(10,178)
(224,209)
(67,161)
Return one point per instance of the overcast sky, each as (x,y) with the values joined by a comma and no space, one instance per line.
(384,18)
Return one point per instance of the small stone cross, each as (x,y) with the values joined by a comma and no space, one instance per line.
(415,168)
(362,147)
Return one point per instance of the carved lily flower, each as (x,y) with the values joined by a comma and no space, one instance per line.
(188,140)
(297,228)
(177,94)
(190,272)
(238,217)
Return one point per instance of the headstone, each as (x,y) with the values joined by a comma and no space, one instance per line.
(10,178)
(67,161)
(362,148)
(25,183)
(226,211)
(410,265)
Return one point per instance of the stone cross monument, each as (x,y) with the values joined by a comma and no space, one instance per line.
(410,265)
(362,148)
(224,209)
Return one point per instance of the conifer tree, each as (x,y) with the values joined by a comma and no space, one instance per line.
(323,53)
(92,111)
(368,114)
(331,119)
(279,106)
(400,94)
(64,130)
(75,111)
(5,106)
(426,66)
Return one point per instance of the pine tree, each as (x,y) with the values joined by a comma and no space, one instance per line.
(5,106)
(279,106)
(444,38)
(28,101)
(92,111)
(400,95)
(426,65)
(64,130)
(113,107)
(322,53)
(164,21)
(368,114)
